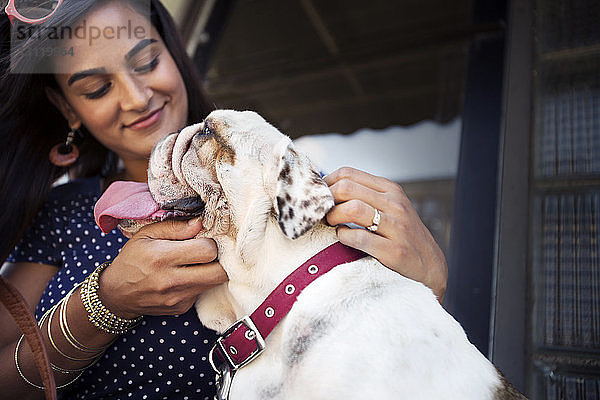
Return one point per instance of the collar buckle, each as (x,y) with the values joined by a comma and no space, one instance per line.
(251,333)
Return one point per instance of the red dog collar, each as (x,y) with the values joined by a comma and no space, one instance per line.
(245,339)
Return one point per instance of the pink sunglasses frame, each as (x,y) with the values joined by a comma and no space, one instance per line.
(12,13)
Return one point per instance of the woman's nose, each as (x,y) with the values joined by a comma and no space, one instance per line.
(135,94)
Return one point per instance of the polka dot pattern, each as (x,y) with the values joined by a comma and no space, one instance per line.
(161,358)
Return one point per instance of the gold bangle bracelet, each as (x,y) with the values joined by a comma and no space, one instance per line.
(100,316)
(27,380)
(64,327)
(72,371)
(49,329)
(41,322)
(19,368)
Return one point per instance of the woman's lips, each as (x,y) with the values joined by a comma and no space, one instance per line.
(147,121)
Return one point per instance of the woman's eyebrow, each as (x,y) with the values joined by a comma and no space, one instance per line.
(83,74)
(138,47)
(94,71)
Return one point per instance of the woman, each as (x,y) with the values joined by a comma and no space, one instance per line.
(116,98)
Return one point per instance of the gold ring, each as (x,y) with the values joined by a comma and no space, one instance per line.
(375,223)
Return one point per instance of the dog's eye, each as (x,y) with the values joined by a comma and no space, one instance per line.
(208,128)
(206,131)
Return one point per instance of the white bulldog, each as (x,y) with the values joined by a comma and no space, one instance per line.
(359,331)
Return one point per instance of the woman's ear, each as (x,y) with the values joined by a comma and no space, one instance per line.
(59,101)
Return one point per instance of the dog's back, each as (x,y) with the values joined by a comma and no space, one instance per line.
(363,331)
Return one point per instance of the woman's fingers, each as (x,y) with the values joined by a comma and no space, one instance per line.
(401,242)
(171,230)
(207,275)
(347,189)
(176,243)
(360,213)
(348,173)
(363,240)
(375,191)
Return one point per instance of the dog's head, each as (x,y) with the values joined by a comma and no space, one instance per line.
(237,171)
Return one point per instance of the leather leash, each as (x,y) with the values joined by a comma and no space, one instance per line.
(16,305)
(245,339)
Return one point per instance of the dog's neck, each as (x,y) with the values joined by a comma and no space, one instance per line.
(251,282)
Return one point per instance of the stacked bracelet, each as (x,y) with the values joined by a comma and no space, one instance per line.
(66,331)
(31,383)
(51,339)
(100,316)
(48,315)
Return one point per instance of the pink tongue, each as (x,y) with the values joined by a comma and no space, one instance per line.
(124,200)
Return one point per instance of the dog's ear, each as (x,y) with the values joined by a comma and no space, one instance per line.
(301,198)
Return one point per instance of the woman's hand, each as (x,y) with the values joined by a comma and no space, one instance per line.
(161,270)
(401,242)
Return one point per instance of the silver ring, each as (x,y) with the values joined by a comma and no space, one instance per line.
(376,219)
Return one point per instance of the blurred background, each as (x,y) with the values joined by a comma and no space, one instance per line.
(487,112)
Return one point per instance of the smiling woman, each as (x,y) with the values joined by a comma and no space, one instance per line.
(128,98)
(120,94)
(93,105)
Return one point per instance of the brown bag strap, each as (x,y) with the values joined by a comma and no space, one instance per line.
(16,305)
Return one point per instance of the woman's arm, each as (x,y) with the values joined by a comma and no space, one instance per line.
(30,279)
(401,242)
(153,274)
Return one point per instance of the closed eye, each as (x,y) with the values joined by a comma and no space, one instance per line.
(100,92)
(148,67)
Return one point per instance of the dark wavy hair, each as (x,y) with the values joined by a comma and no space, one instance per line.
(30,125)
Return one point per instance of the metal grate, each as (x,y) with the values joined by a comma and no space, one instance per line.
(567,269)
(568,119)
(566,201)
(571,387)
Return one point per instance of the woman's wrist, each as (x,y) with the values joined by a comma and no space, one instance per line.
(113,293)
(99,315)
(437,280)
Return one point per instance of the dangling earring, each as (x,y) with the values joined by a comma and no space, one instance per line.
(65,154)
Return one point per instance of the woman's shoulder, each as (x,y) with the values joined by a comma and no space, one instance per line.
(70,202)
(68,207)
(74,192)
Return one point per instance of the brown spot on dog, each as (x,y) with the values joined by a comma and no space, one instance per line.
(280,204)
(315,178)
(285,175)
(226,152)
(506,391)
(302,342)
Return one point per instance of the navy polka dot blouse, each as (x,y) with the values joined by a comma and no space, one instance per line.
(162,357)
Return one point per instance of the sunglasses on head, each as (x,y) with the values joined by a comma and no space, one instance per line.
(31,11)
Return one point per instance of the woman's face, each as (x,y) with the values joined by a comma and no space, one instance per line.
(127,91)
